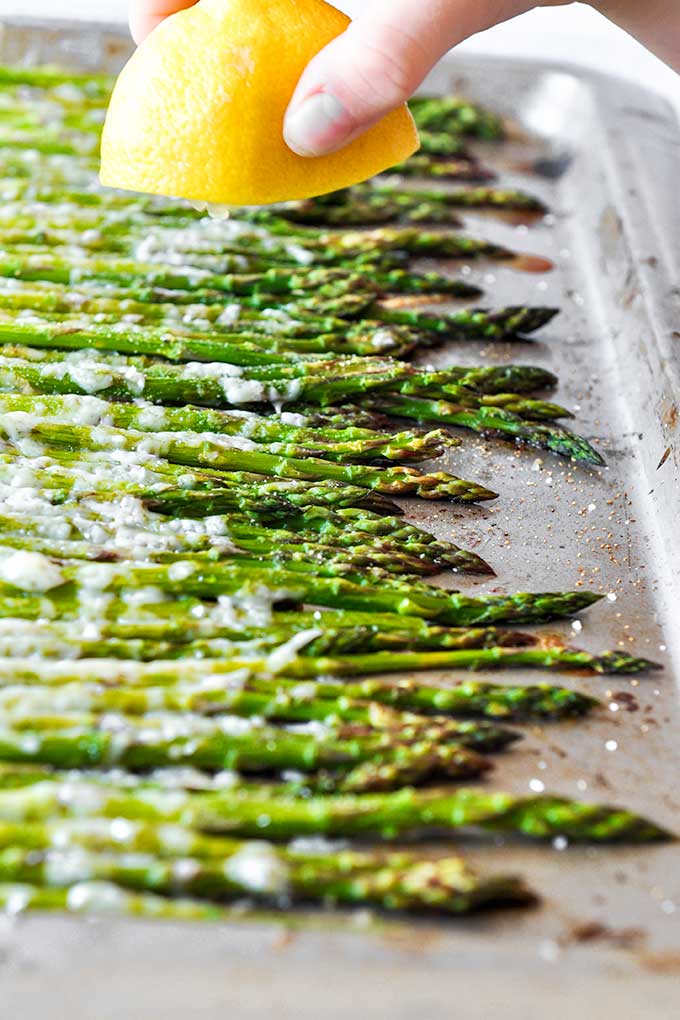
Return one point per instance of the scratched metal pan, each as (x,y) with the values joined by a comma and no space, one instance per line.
(606,939)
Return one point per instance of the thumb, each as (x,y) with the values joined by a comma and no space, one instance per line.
(376,64)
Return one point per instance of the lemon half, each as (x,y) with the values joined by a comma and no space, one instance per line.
(198,111)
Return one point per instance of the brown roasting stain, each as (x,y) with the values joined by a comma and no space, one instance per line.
(597,931)
(670,415)
(521,217)
(515,217)
(550,640)
(284,938)
(626,700)
(531,264)
(661,963)
(558,751)
(413,940)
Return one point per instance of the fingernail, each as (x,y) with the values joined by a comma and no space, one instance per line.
(317,126)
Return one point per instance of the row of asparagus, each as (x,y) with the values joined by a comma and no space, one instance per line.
(206,612)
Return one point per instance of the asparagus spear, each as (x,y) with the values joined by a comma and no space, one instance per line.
(466,698)
(377,761)
(189,342)
(178,626)
(334,588)
(99,522)
(273,875)
(228,454)
(468,198)
(492,379)
(173,490)
(290,554)
(482,414)
(67,266)
(492,421)
(84,532)
(251,812)
(358,210)
(343,525)
(268,433)
(267,328)
(49,142)
(457,116)
(91,85)
(138,234)
(64,708)
(456,168)
(441,143)
(514,322)
(387,203)
(330,649)
(105,898)
(21,670)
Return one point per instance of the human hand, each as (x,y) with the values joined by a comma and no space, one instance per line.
(389,48)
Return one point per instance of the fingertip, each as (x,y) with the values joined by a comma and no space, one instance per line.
(145,15)
(140,25)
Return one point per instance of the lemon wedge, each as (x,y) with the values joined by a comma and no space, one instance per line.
(198,111)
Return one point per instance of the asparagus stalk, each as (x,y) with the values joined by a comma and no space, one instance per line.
(271,329)
(93,520)
(467,698)
(263,365)
(270,875)
(66,266)
(441,143)
(342,525)
(492,379)
(377,761)
(460,168)
(64,708)
(352,649)
(290,554)
(173,490)
(470,324)
(387,203)
(257,813)
(105,898)
(456,116)
(189,342)
(362,209)
(482,414)
(137,233)
(173,630)
(268,433)
(334,588)
(224,453)
(49,142)
(91,85)
(492,421)
(467,198)
(22,670)
(84,532)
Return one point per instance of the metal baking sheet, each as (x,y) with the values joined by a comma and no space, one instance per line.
(606,938)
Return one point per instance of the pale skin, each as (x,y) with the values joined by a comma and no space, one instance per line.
(389,48)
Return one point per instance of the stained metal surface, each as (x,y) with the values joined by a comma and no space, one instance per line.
(606,938)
